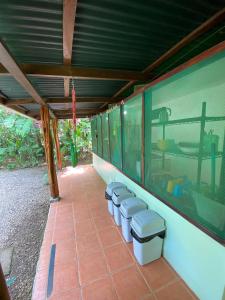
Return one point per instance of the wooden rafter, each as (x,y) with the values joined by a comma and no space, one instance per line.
(79,111)
(207,25)
(16,108)
(67,71)
(14,102)
(20,111)
(2,100)
(68,112)
(66,117)
(69,13)
(10,64)
(204,27)
(124,88)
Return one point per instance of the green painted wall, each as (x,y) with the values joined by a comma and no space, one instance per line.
(196,257)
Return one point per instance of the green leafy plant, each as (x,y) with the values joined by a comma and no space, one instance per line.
(83,139)
(21,140)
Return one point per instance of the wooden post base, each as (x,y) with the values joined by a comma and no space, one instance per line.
(52,176)
(54,199)
(4,293)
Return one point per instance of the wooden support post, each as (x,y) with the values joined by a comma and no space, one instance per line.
(53,182)
(57,144)
(4,293)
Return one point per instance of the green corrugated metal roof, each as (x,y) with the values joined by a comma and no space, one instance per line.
(48,87)
(54,87)
(115,34)
(11,88)
(33,30)
(205,41)
(118,34)
(96,88)
(124,34)
(79,105)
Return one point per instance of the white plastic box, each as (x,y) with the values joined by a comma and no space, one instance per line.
(128,208)
(119,195)
(109,192)
(148,231)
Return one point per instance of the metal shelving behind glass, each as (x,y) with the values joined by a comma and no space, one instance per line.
(200,156)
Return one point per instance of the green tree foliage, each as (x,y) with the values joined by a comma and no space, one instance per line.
(20,141)
(83,138)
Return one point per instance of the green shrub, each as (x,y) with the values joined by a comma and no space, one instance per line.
(21,143)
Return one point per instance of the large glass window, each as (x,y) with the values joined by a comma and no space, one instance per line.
(105,136)
(184,143)
(115,137)
(99,135)
(132,137)
(94,134)
(183,146)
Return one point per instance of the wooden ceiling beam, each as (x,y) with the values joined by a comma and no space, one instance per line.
(204,27)
(63,112)
(83,99)
(207,25)
(124,88)
(67,71)
(84,113)
(19,110)
(10,64)
(14,102)
(79,111)
(2,100)
(69,13)
(63,117)
(78,116)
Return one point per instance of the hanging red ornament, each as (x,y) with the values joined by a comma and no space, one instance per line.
(74,105)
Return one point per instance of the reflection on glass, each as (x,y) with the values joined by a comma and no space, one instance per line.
(99,135)
(105,137)
(184,142)
(186,146)
(115,137)
(94,135)
(132,140)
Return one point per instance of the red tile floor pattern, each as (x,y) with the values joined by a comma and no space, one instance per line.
(92,260)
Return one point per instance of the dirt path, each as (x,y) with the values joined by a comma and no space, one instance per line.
(24,204)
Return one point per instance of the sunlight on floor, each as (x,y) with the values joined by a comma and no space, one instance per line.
(70,170)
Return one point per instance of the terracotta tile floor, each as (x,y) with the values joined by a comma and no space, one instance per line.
(92,261)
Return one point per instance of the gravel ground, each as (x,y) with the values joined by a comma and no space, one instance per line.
(24,205)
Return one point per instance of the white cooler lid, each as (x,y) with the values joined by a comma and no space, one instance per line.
(146,223)
(121,194)
(131,206)
(113,185)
